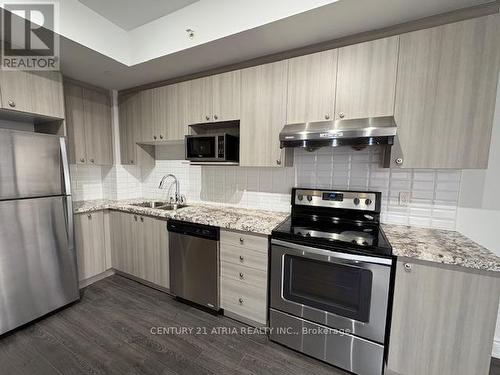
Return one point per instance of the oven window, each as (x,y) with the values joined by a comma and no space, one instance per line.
(201,147)
(340,289)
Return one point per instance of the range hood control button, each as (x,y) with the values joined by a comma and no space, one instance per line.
(300,197)
(368,202)
(309,198)
(356,201)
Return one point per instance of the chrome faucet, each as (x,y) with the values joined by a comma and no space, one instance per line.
(178,198)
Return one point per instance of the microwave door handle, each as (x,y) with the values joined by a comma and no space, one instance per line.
(340,257)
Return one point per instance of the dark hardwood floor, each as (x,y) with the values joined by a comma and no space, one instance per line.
(109,332)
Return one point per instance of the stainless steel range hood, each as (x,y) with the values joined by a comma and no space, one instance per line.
(356,132)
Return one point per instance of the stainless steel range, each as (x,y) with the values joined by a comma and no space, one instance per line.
(330,279)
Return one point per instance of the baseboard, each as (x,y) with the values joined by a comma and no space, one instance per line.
(496,349)
(85,283)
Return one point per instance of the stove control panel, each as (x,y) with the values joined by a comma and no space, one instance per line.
(345,199)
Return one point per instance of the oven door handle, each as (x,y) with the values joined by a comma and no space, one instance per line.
(333,254)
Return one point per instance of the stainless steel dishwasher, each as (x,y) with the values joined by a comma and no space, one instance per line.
(194,262)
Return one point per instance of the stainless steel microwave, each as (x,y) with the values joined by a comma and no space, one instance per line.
(221,147)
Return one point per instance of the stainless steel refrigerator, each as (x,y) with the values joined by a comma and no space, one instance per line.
(38,272)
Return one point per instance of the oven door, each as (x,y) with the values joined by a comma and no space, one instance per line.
(338,290)
(201,148)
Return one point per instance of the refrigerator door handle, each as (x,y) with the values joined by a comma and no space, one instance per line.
(68,205)
(65,167)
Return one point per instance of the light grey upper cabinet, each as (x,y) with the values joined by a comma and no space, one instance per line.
(366,79)
(446,91)
(263,114)
(311,87)
(195,101)
(88,124)
(39,93)
(210,99)
(130,119)
(226,91)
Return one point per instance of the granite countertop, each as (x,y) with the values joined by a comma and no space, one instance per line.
(440,246)
(235,218)
(432,245)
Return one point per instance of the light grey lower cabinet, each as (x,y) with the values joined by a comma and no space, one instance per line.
(243,281)
(90,242)
(139,247)
(443,320)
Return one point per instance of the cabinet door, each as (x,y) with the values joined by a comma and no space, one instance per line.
(75,123)
(16,91)
(46,89)
(263,114)
(129,112)
(98,134)
(366,79)
(196,101)
(124,242)
(146,109)
(311,87)
(155,252)
(161,113)
(446,92)
(443,321)
(226,90)
(90,244)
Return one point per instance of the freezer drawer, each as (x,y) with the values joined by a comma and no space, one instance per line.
(37,259)
(30,165)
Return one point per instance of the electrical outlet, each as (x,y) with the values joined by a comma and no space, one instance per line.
(404,198)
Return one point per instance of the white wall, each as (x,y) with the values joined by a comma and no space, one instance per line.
(479,204)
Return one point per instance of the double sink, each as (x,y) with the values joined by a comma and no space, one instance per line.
(159,205)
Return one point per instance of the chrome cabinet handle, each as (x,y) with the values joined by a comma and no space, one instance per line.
(399,161)
(161,136)
(154,136)
(407,267)
(242,240)
(131,162)
(241,258)
(12,103)
(142,219)
(242,276)
(327,117)
(92,160)
(341,114)
(89,216)
(207,118)
(82,160)
(240,301)
(135,217)
(215,117)
(278,162)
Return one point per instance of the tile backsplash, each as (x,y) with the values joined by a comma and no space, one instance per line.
(433,193)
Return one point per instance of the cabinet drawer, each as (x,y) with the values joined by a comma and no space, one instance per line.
(244,300)
(243,257)
(245,275)
(257,243)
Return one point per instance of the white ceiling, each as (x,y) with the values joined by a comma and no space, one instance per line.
(130,14)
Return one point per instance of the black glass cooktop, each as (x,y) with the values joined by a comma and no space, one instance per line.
(338,235)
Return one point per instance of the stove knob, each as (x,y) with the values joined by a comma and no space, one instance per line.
(309,198)
(365,243)
(354,242)
(308,234)
(356,201)
(300,197)
(368,202)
